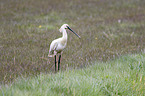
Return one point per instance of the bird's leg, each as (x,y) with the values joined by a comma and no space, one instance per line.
(55,63)
(59,62)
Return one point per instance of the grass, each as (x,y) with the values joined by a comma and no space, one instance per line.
(124,76)
(23,42)
(90,66)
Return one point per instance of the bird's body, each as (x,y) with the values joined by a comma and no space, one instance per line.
(59,44)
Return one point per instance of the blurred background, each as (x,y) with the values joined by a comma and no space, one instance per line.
(108,29)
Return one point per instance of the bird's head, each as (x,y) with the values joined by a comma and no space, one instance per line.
(66,26)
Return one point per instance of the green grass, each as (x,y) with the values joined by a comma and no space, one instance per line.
(123,76)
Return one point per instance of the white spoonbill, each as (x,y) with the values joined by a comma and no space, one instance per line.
(57,45)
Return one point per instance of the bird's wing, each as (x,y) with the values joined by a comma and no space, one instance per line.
(52,48)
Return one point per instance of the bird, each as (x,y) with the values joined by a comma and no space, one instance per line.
(57,46)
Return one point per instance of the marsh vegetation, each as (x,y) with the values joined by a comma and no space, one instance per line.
(108,29)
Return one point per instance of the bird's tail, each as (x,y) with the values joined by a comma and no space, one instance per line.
(50,55)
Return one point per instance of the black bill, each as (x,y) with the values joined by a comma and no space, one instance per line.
(73,32)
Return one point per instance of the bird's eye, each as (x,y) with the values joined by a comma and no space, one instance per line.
(66,27)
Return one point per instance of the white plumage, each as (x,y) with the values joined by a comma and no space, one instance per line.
(59,44)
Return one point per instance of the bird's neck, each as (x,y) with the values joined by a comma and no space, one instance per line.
(64,33)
